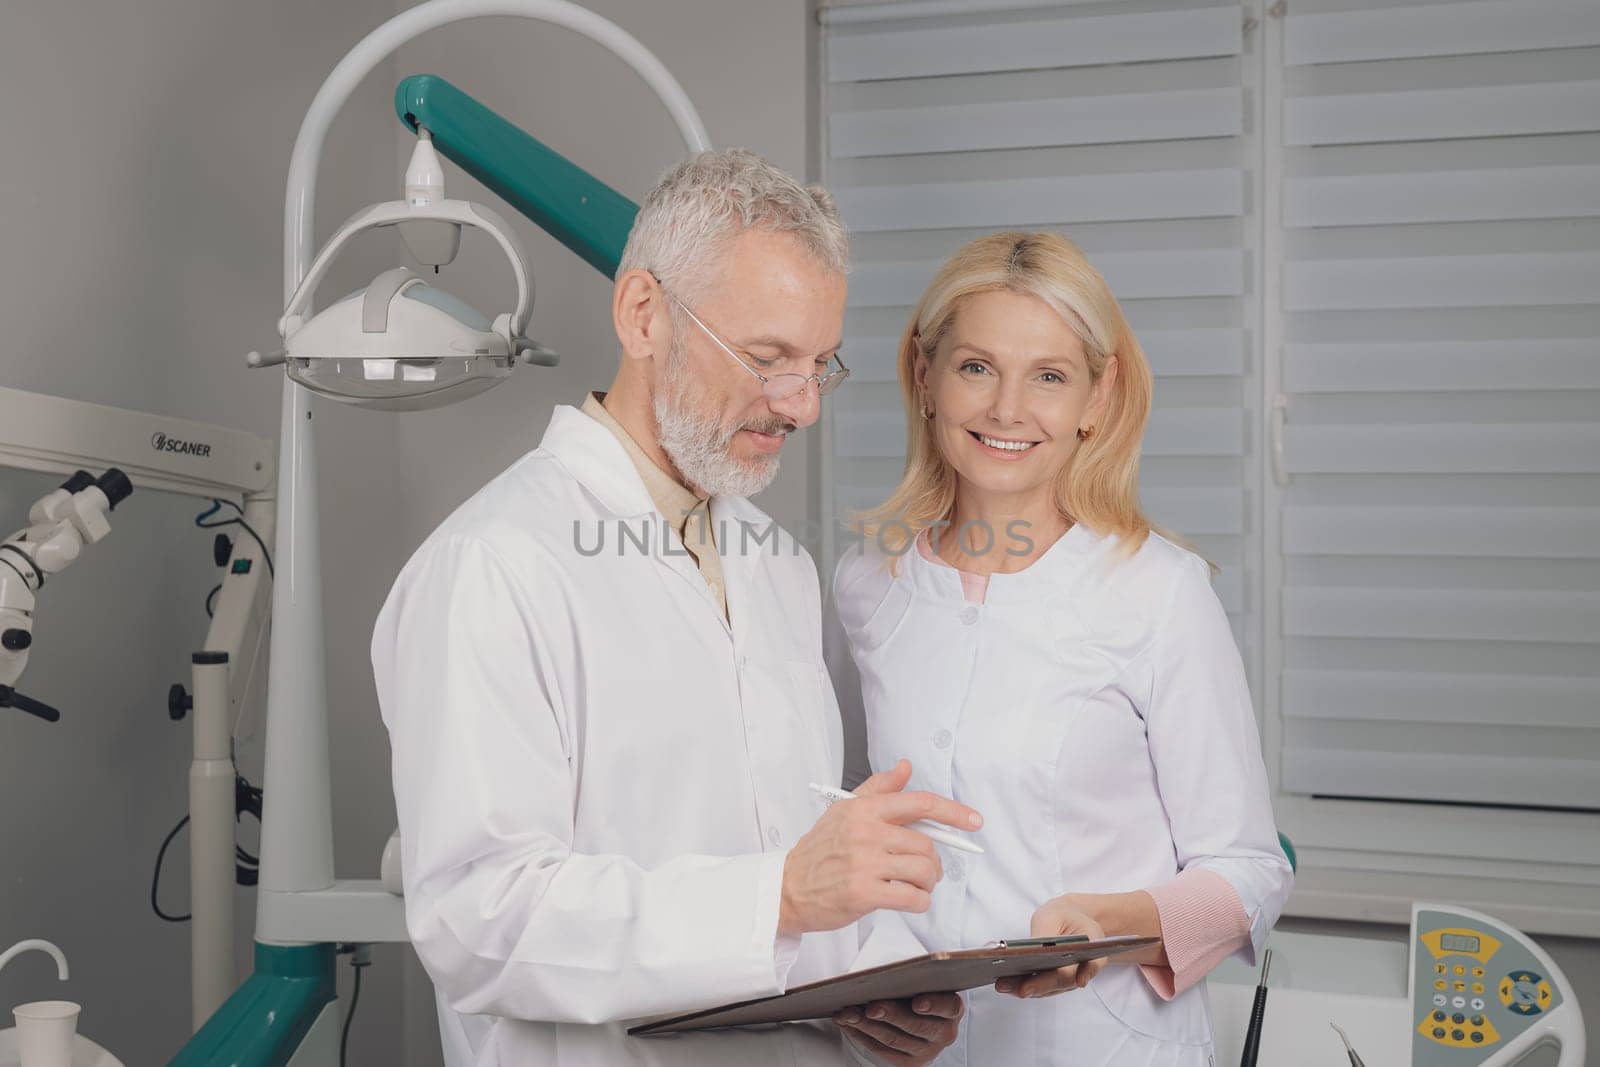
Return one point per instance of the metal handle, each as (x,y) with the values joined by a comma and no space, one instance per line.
(1280,416)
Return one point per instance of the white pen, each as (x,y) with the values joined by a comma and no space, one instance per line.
(922,826)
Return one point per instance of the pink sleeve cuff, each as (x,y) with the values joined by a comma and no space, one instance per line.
(1203,922)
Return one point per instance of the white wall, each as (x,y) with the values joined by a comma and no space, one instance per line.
(146,146)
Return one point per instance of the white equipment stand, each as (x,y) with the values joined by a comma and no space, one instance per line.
(53,435)
(300,900)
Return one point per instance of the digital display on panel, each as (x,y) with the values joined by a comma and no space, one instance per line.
(1458,943)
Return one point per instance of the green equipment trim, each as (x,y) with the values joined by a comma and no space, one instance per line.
(572,205)
(265,1020)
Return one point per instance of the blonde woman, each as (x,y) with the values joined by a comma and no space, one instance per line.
(1036,650)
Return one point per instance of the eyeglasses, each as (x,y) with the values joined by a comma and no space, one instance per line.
(777,386)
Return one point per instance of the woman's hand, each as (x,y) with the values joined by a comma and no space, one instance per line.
(1094,915)
(1063,915)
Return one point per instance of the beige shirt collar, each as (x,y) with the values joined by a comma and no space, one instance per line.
(671,497)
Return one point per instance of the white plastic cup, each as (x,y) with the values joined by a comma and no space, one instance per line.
(45,1032)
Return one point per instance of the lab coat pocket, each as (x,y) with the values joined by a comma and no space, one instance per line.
(1101,643)
(805,681)
(885,619)
(1125,994)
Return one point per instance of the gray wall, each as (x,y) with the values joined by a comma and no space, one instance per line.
(141,204)
(742,62)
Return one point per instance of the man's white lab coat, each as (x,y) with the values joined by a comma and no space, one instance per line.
(597,774)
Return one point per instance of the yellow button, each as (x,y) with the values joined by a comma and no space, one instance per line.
(1477,972)
(1460,969)
(1477,987)
(1439,968)
(1441,985)
(1461,987)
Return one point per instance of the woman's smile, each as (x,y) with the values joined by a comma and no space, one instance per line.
(1008,449)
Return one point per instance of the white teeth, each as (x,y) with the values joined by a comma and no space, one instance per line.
(1008,446)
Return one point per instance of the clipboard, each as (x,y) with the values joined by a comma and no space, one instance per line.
(936,972)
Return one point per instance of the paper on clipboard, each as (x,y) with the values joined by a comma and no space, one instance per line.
(936,972)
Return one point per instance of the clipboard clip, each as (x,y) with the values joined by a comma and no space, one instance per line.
(1036,942)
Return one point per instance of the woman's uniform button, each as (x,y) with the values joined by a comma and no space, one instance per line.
(942,739)
(969,615)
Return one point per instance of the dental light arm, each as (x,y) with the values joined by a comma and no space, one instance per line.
(563,199)
(60,524)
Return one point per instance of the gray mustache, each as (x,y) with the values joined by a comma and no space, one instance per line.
(770,427)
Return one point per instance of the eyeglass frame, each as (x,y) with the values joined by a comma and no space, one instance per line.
(835,377)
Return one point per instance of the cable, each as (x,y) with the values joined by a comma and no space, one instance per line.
(210,598)
(246,801)
(356,963)
(155,881)
(216,506)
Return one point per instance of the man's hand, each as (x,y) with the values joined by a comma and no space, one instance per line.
(1063,915)
(860,856)
(908,1032)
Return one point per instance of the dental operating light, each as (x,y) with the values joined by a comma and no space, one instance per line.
(401,343)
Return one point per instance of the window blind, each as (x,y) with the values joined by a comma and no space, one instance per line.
(1441,360)
(1121,125)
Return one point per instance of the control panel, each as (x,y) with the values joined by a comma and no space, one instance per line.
(1480,988)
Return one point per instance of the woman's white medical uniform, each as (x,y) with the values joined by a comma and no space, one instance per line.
(1094,708)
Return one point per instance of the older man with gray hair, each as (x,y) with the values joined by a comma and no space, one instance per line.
(603,681)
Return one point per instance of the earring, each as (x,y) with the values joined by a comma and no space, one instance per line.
(927,412)
(1085,432)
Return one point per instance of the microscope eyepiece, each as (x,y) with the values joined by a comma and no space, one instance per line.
(115,485)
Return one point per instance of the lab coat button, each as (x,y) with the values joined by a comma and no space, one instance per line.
(969,615)
(942,739)
(775,835)
(956,869)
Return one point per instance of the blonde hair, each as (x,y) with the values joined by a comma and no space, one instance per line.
(1099,486)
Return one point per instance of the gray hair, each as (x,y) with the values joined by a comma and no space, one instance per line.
(704,202)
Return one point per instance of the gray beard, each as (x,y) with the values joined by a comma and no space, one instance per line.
(697,444)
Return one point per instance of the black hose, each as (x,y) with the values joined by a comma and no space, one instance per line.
(349,1016)
(1258,1016)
